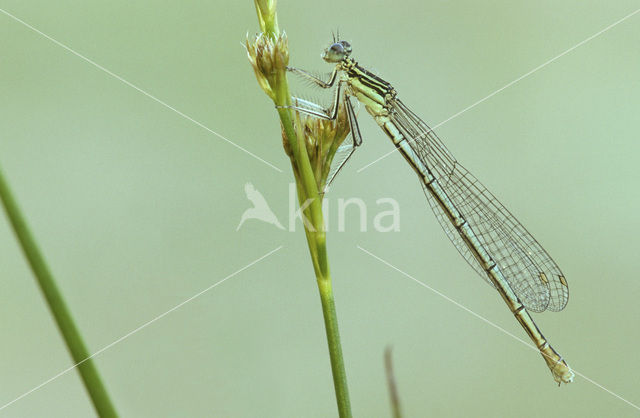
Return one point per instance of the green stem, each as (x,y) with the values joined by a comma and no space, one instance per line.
(335,348)
(316,238)
(306,212)
(307,187)
(57,306)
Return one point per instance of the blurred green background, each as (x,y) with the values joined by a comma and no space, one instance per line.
(136,209)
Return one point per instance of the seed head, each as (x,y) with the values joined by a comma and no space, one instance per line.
(268,57)
(322,139)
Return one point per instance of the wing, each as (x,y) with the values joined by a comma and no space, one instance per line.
(530,271)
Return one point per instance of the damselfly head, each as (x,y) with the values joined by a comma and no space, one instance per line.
(337,51)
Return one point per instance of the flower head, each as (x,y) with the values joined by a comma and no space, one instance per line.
(323,138)
(268,57)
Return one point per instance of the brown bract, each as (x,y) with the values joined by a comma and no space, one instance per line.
(269,57)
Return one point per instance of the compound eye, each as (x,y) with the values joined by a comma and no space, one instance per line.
(338,48)
(346,46)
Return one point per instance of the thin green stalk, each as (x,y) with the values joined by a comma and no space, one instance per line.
(335,348)
(316,238)
(269,57)
(57,306)
(306,212)
(318,246)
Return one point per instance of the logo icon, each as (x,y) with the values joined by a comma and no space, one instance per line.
(260,210)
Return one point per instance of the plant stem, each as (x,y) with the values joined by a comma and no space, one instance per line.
(335,348)
(269,60)
(317,245)
(391,382)
(316,238)
(57,306)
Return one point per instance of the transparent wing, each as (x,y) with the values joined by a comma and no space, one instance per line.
(532,274)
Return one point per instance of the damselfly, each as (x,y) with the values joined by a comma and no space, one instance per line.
(485,233)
